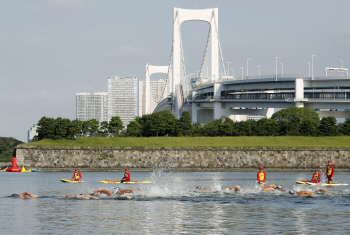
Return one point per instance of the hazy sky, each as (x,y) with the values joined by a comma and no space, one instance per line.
(52,49)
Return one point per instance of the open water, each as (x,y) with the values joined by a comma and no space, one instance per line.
(171,205)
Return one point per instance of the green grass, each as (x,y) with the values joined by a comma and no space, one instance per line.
(298,142)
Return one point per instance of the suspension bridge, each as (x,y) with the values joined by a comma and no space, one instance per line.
(213,94)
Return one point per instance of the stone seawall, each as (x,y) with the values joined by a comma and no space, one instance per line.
(58,158)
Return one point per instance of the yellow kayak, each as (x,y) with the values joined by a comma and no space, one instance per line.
(24,170)
(129,182)
(300,182)
(71,181)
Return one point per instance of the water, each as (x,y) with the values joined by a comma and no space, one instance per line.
(171,205)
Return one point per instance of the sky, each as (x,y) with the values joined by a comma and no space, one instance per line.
(52,49)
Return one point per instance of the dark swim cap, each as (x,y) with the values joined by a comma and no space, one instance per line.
(14,195)
(291,192)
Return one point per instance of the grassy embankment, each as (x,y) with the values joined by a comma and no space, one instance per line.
(282,142)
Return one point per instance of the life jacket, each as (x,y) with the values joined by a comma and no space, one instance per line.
(77,176)
(329,170)
(261,176)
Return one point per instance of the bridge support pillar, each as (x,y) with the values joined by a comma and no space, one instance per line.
(195,108)
(269,112)
(217,102)
(299,92)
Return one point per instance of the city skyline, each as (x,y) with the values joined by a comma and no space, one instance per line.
(54,49)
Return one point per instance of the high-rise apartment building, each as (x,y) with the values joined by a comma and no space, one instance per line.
(92,106)
(157,94)
(32,132)
(122,98)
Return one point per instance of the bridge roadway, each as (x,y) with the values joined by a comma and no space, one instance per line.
(329,96)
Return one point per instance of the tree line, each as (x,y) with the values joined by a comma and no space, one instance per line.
(286,122)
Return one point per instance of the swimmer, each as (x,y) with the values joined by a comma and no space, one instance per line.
(307,193)
(202,189)
(24,195)
(81,196)
(273,187)
(116,191)
(236,188)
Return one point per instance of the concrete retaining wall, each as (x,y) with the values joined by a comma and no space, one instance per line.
(56,158)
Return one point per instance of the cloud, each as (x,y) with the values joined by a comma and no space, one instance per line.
(70,4)
(128,51)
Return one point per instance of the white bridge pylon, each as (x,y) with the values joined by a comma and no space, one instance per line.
(180,16)
(152,69)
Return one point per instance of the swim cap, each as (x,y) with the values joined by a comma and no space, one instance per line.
(126,169)
(261,168)
(238,186)
(291,192)
(116,190)
(14,195)
(198,187)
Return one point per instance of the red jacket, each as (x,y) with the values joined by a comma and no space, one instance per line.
(126,176)
(316,177)
(74,178)
(262,178)
(330,170)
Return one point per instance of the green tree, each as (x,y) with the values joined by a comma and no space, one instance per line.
(225,128)
(134,129)
(292,120)
(344,128)
(115,126)
(161,124)
(197,129)
(328,127)
(62,125)
(46,128)
(7,148)
(184,127)
(266,127)
(309,128)
(104,129)
(246,128)
(211,128)
(74,129)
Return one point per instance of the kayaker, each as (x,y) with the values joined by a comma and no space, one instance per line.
(261,176)
(76,176)
(330,173)
(316,177)
(126,177)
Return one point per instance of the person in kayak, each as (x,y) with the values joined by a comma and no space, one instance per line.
(330,173)
(24,195)
(76,176)
(316,177)
(261,176)
(126,177)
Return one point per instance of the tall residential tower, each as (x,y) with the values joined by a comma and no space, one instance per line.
(122,98)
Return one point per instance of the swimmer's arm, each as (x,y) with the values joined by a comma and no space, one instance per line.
(23,195)
(323,191)
(227,189)
(104,191)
